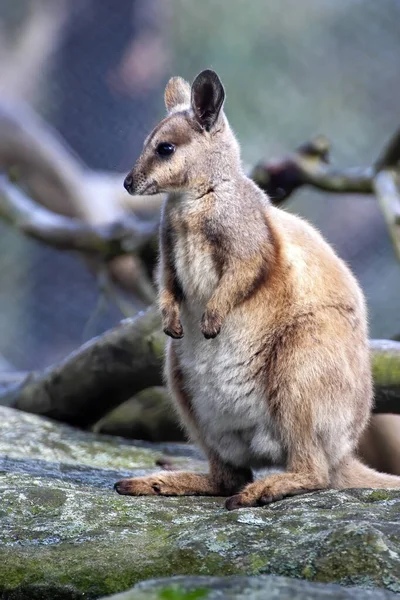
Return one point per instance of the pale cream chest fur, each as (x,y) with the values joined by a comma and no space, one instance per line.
(230,407)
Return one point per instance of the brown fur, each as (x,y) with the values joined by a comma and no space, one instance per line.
(287,380)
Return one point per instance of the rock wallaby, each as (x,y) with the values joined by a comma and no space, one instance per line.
(267,360)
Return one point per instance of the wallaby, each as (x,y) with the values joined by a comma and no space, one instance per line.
(268,362)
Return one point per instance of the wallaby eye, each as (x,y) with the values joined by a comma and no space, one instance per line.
(165,149)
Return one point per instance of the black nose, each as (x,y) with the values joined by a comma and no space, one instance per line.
(128,183)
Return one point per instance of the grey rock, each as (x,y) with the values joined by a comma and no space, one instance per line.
(264,587)
(64,532)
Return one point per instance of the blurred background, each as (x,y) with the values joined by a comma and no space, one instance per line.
(95,72)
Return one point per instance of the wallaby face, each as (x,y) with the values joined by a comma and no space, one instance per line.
(179,154)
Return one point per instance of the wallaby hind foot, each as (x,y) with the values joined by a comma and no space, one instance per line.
(222,480)
(179,483)
(274,488)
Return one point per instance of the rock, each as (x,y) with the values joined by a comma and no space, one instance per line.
(65,534)
(148,416)
(264,587)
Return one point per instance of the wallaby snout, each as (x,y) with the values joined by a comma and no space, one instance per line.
(136,183)
(128,183)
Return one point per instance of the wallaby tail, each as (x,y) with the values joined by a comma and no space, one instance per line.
(351,473)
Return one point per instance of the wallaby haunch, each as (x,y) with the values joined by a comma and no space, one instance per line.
(269,364)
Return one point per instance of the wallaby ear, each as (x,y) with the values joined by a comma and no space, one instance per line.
(208,96)
(177,92)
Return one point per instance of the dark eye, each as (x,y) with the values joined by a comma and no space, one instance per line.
(165,149)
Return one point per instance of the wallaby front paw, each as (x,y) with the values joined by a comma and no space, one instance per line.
(172,325)
(175,331)
(210,324)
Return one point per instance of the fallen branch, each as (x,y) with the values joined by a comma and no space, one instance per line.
(112,368)
(96,378)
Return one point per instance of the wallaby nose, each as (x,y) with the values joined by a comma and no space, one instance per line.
(128,183)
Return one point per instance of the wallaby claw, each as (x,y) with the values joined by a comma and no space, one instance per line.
(210,325)
(175,332)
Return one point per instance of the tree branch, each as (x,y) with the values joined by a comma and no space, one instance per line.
(65,233)
(308,165)
(390,156)
(35,155)
(386,188)
(387,194)
(32,153)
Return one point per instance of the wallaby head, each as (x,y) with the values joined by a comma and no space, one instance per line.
(193,149)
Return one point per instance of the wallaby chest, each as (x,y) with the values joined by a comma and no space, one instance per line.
(229,404)
(192,255)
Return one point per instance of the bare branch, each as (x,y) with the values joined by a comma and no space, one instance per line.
(308,166)
(390,157)
(114,239)
(386,187)
(387,193)
(34,155)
